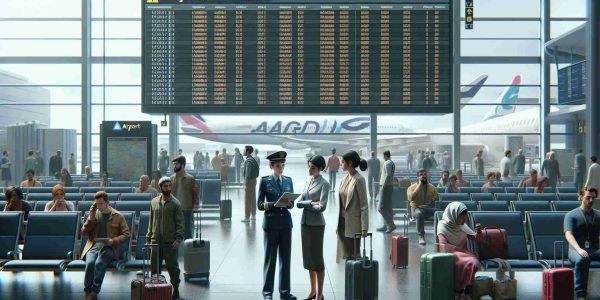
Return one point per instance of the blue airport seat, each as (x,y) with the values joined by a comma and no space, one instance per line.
(136,197)
(211,191)
(38,190)
(507,197)
(83,183)
(525,206)
(454,197)
(10,228)
(537,197)
(84,206)
(207,174)
(399,198)
(111,196)
(124,248)
(135,206)
(493,205)
(40,205)
(75,197)
(2,197)
(440,189)
(71,190)
(544,229)
(471,205)
(504,184)
(547,190)
(51,183)
(566,205)
(496,190)
(470,190)
(477,183)
(437,216)
(2,205)
(516,190)
(39,197)
(567,197)
(566,190)
(126,184)
(482,197)
(108,189)
(518,255)
(49,243)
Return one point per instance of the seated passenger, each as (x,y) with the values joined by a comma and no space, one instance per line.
(453,231)
(530,181)
(106,230)
(491,176)
(506,176)
(452,185)
(541,184)
(58,202)
(497,177)
(582,232)
(444,180)
(145,187)
(104,180)
(88,173)
(421,196)
(30,182)
(155,178)
(461,182)
(14,197)
(65,178)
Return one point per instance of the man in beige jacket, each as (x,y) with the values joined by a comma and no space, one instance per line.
(421,196)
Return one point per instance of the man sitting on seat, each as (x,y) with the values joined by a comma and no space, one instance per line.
(106,231)
(421,196)
(145,187)
(530,181)
(582,232)
(30,181)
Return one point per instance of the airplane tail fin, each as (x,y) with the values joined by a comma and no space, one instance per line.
(194,122)
(469,91)
(506,100)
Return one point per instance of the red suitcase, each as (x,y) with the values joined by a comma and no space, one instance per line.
(155,288)
(492,243)
(399,253)
(559,283)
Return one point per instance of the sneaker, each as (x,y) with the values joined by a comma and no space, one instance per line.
(382,229)
(421,240)
(391,229)
(246,220)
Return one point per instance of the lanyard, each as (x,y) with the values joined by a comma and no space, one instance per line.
(587,226)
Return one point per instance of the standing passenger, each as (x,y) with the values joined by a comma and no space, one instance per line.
(374,167)
(251,171)
(387,188)
(333,167)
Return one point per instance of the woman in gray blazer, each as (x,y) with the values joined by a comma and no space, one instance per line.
(314,201)
(354,206)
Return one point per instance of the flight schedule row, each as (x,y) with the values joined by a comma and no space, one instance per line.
(307,58)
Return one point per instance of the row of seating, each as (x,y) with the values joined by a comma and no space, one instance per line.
(508,197)
(52,244)
(528,242)
(90,197)
(84,206)
(518,206)
(516,190)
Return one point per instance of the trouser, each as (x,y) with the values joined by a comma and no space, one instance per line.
(373,189)
(579,181)
(385,205)
(277,240)
(249,197)
(238,173)
(420,215)
(409,164)
(332,179)
(170,255)
(188,217)
(582,269)
(96,261)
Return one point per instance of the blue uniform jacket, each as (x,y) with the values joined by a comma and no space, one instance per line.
(269,191)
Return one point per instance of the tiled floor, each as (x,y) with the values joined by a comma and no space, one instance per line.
(236,266)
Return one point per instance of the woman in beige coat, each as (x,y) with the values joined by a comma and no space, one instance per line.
(354,206)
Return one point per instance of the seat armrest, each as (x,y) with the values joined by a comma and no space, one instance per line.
(70,255)
(539,254)
(120,265)
(12,255)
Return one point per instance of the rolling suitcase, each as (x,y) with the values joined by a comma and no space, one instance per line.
(196,254)
(559,283)
(155,288)
(399,252)
(362,275)
(437,276)
(225,206)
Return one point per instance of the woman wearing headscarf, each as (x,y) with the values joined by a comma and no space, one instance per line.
(453,231)
(313,201)
(65,178)
(58,202)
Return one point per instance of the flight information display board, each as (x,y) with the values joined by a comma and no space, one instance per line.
(296,57)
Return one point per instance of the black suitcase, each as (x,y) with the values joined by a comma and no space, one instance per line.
(362,274)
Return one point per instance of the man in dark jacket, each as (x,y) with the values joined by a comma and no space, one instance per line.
(251,170)
(55,164)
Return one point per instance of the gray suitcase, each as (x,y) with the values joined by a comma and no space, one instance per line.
(196,254)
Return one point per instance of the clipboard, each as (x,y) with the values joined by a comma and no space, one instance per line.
(286,195)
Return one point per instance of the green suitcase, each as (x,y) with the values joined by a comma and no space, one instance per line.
(437,276)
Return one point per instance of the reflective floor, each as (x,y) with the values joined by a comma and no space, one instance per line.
(237,259)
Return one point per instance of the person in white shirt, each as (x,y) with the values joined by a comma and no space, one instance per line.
(387,187)
(506,164)
(593,177)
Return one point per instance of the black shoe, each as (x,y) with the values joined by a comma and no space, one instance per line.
(268,297)
(311,297)
(175,295)
(289,297)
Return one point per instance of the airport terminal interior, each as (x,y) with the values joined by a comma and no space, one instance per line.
(246,142)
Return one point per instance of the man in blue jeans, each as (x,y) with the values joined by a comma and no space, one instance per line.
(582,229)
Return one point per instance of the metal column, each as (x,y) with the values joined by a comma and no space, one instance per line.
(456,86)
(86,84)
(592,126)
(373,134)
(173,135)
(544,79)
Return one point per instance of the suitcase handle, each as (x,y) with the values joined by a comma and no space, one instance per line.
(368,261)
(562,252)
(145,260)
(198,226)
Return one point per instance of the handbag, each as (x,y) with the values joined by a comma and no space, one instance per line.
(492,243)
(483,285)
(505,287)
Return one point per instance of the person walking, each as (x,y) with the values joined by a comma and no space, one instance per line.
(333,167)
(238,161)
(251,171)
(386,182)
(184,189)
(579,170)
(374,167)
